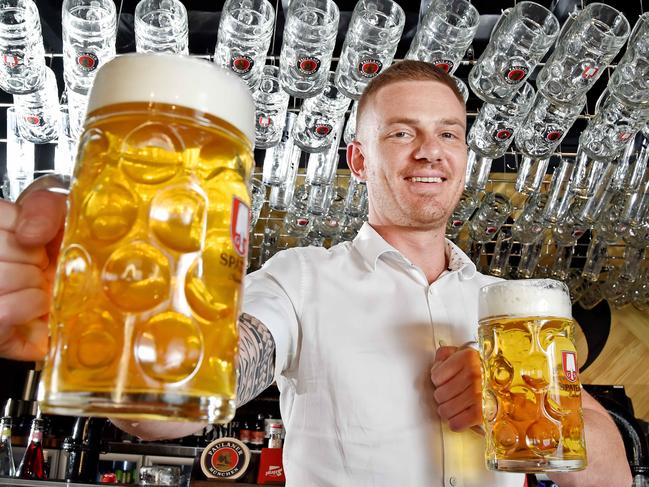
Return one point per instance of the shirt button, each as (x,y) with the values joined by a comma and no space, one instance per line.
(452,481)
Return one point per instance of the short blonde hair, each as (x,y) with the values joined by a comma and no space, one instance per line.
(406,70)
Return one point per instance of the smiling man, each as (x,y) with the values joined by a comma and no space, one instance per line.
(353,335)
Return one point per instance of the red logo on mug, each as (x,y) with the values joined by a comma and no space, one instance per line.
(444,64)
(241,64)
(515,74)
(503,134)
(240,226)
(369,68)
(87,61)
(321,130)
(589,72)
(308,65)
(569,361)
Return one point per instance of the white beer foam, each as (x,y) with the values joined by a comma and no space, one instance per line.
(175,80)
(526,297)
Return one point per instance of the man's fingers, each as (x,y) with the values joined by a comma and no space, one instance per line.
(466,419)
(465,360)
(26,342)
(13,251)
(14,276)
(442,353)
(41,217)
(457,403)
(8,215)
(13,309)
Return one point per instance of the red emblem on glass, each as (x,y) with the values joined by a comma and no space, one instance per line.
(569,361)
(490,230)
(34,120)
(369,68)
(444,64)
(264,122)
(87,61)
(503,134)
(322,130)
(240,226)
(515,74)
(11,60)
(308,65)
(241,64)
(589,72)
(553,135)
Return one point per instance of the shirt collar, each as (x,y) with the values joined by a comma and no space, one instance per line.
(372,246)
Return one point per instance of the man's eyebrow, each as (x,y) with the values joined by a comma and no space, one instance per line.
(414,121)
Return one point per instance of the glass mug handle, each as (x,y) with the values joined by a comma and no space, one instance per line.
(602,98)
(567,24)
(499,23)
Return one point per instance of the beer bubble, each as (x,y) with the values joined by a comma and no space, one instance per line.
(177,218)
(110,210)
(213,281)
(502,372)
(505,436)
(169,347)
(73,280)
(535,371)
(136,277)
(522,404)
(571,430)
(489,405)
(151,154)
(542,437)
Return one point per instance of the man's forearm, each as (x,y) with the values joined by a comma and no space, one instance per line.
(607,462)
(256,358)
(255,373)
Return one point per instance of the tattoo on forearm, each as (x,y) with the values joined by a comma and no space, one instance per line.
(256,358)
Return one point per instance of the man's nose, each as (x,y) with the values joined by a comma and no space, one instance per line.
(429,148)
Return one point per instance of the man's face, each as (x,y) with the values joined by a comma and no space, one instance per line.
(412,153)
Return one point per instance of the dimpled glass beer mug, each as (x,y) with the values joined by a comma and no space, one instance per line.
(89,34)
(371,41)
(244,37)
(588,42)
(271,103)
(519,40)
(161,26)
(630,80)
(146,297)
(309,40)
(22,55)
(445,33)
(531,394)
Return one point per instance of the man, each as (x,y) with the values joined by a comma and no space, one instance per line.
(363,338)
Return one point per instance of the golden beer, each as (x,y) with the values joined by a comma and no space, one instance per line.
(146,296)
(531,391)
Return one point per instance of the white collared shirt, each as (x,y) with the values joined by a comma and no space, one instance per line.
(356,328)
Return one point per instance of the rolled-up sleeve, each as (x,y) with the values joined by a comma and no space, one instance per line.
(273,296)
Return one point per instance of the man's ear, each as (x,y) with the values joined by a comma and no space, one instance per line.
(356,160)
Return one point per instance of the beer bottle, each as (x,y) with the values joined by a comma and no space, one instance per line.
(258,434)
(32,466)
(7,466)
(245,433)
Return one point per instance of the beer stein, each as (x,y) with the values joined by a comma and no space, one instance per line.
(272,105)
(371,41)
(244,36)
(445,33)
(308,45)
(148,286)
(22,55)
(89,35)
(518,42)
(20,160)
(161,26)
(588,42)
(531,392)
(630,80)
(39,112)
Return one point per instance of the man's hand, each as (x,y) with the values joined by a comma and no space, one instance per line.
(456,375)
(30,236)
